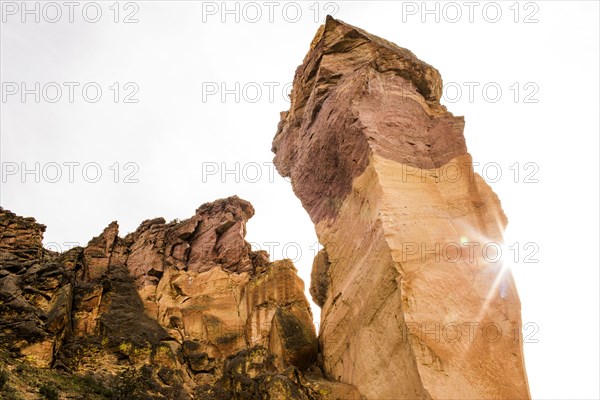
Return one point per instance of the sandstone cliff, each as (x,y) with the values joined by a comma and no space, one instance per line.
(411,306)
(171,311)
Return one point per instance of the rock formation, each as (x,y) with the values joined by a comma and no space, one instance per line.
(413,307)
(171,311)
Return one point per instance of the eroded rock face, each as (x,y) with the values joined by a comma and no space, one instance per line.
(187,306)
(319,278)
(35,290)
(410,306)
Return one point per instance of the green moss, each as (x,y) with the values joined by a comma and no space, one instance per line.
(125,348)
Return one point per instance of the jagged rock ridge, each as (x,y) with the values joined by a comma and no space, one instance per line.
(175,310)
(405,304)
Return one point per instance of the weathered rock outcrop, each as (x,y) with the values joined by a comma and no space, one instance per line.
(173,310)
(411,306)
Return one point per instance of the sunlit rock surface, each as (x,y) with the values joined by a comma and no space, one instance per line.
(412,306)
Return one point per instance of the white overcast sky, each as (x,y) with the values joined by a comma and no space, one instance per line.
(542,56)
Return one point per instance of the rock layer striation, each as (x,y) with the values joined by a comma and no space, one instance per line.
(413,305)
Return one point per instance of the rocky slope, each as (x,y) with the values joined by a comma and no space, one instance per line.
(173,310)
(411,306)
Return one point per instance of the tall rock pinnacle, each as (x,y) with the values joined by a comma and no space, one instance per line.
(413,305)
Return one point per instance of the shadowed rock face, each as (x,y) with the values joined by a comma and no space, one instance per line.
(173,310)
(390,103)
(408,298)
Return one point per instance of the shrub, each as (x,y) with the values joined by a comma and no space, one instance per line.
(3,379)
(95,386)
(48,392)
(129,386)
